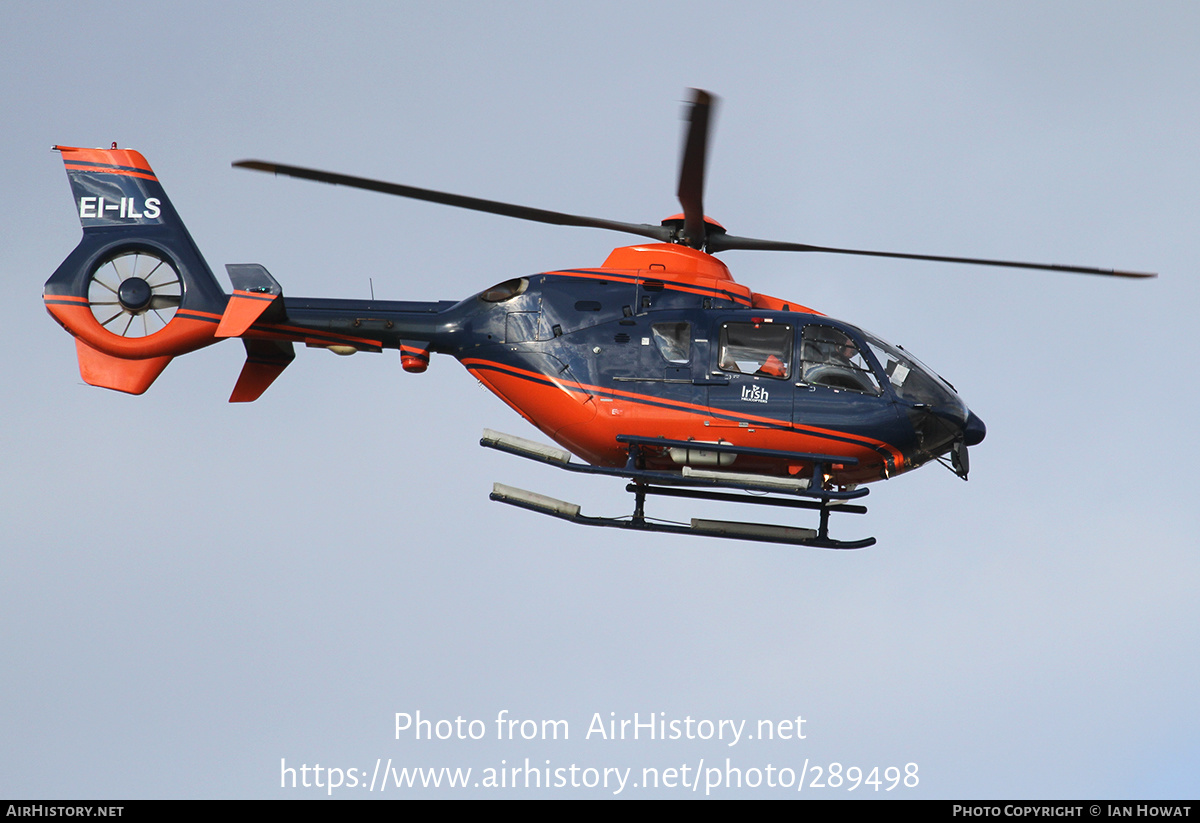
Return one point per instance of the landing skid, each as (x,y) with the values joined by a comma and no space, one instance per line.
(699,484)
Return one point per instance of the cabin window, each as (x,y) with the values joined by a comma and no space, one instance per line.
(674,341)
(830,357)
(763,349)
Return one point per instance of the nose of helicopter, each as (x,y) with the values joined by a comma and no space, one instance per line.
(961,423)
(950,430)
(974,431)
(947,428)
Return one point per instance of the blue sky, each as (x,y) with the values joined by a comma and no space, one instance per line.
(195,592)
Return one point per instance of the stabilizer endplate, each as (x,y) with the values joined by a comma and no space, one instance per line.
(256,295)
(265,360)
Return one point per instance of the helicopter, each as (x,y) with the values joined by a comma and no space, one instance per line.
(655,366)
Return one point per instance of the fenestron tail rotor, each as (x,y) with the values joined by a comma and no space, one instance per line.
(693,230)
(134,293)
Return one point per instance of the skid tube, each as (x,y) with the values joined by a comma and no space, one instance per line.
(694,484)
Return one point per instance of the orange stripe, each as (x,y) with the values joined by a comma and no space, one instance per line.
(109,157)
(303,333)
(125,172)
(183,334)
(201,314)
(690,408)
(594,437)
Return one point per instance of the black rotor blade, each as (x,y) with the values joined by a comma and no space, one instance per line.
(726,242)
(691,171)
(659,233)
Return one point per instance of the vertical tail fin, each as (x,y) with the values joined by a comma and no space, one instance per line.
(136,291)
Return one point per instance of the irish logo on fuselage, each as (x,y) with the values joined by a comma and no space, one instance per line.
(755,394)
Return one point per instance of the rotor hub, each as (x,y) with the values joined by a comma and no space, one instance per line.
(676,223)
(134,294)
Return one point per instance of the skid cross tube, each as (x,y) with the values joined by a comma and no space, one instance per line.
(699,494)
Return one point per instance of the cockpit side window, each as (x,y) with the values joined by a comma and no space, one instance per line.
(756,348)
(674,341)
(830,357)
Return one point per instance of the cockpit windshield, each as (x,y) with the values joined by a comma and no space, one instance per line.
(910,379)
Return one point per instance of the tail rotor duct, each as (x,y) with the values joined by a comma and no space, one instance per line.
(134,293)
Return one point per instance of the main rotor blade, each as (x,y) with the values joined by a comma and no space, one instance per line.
(726,242)
(660,233)
(691,171)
